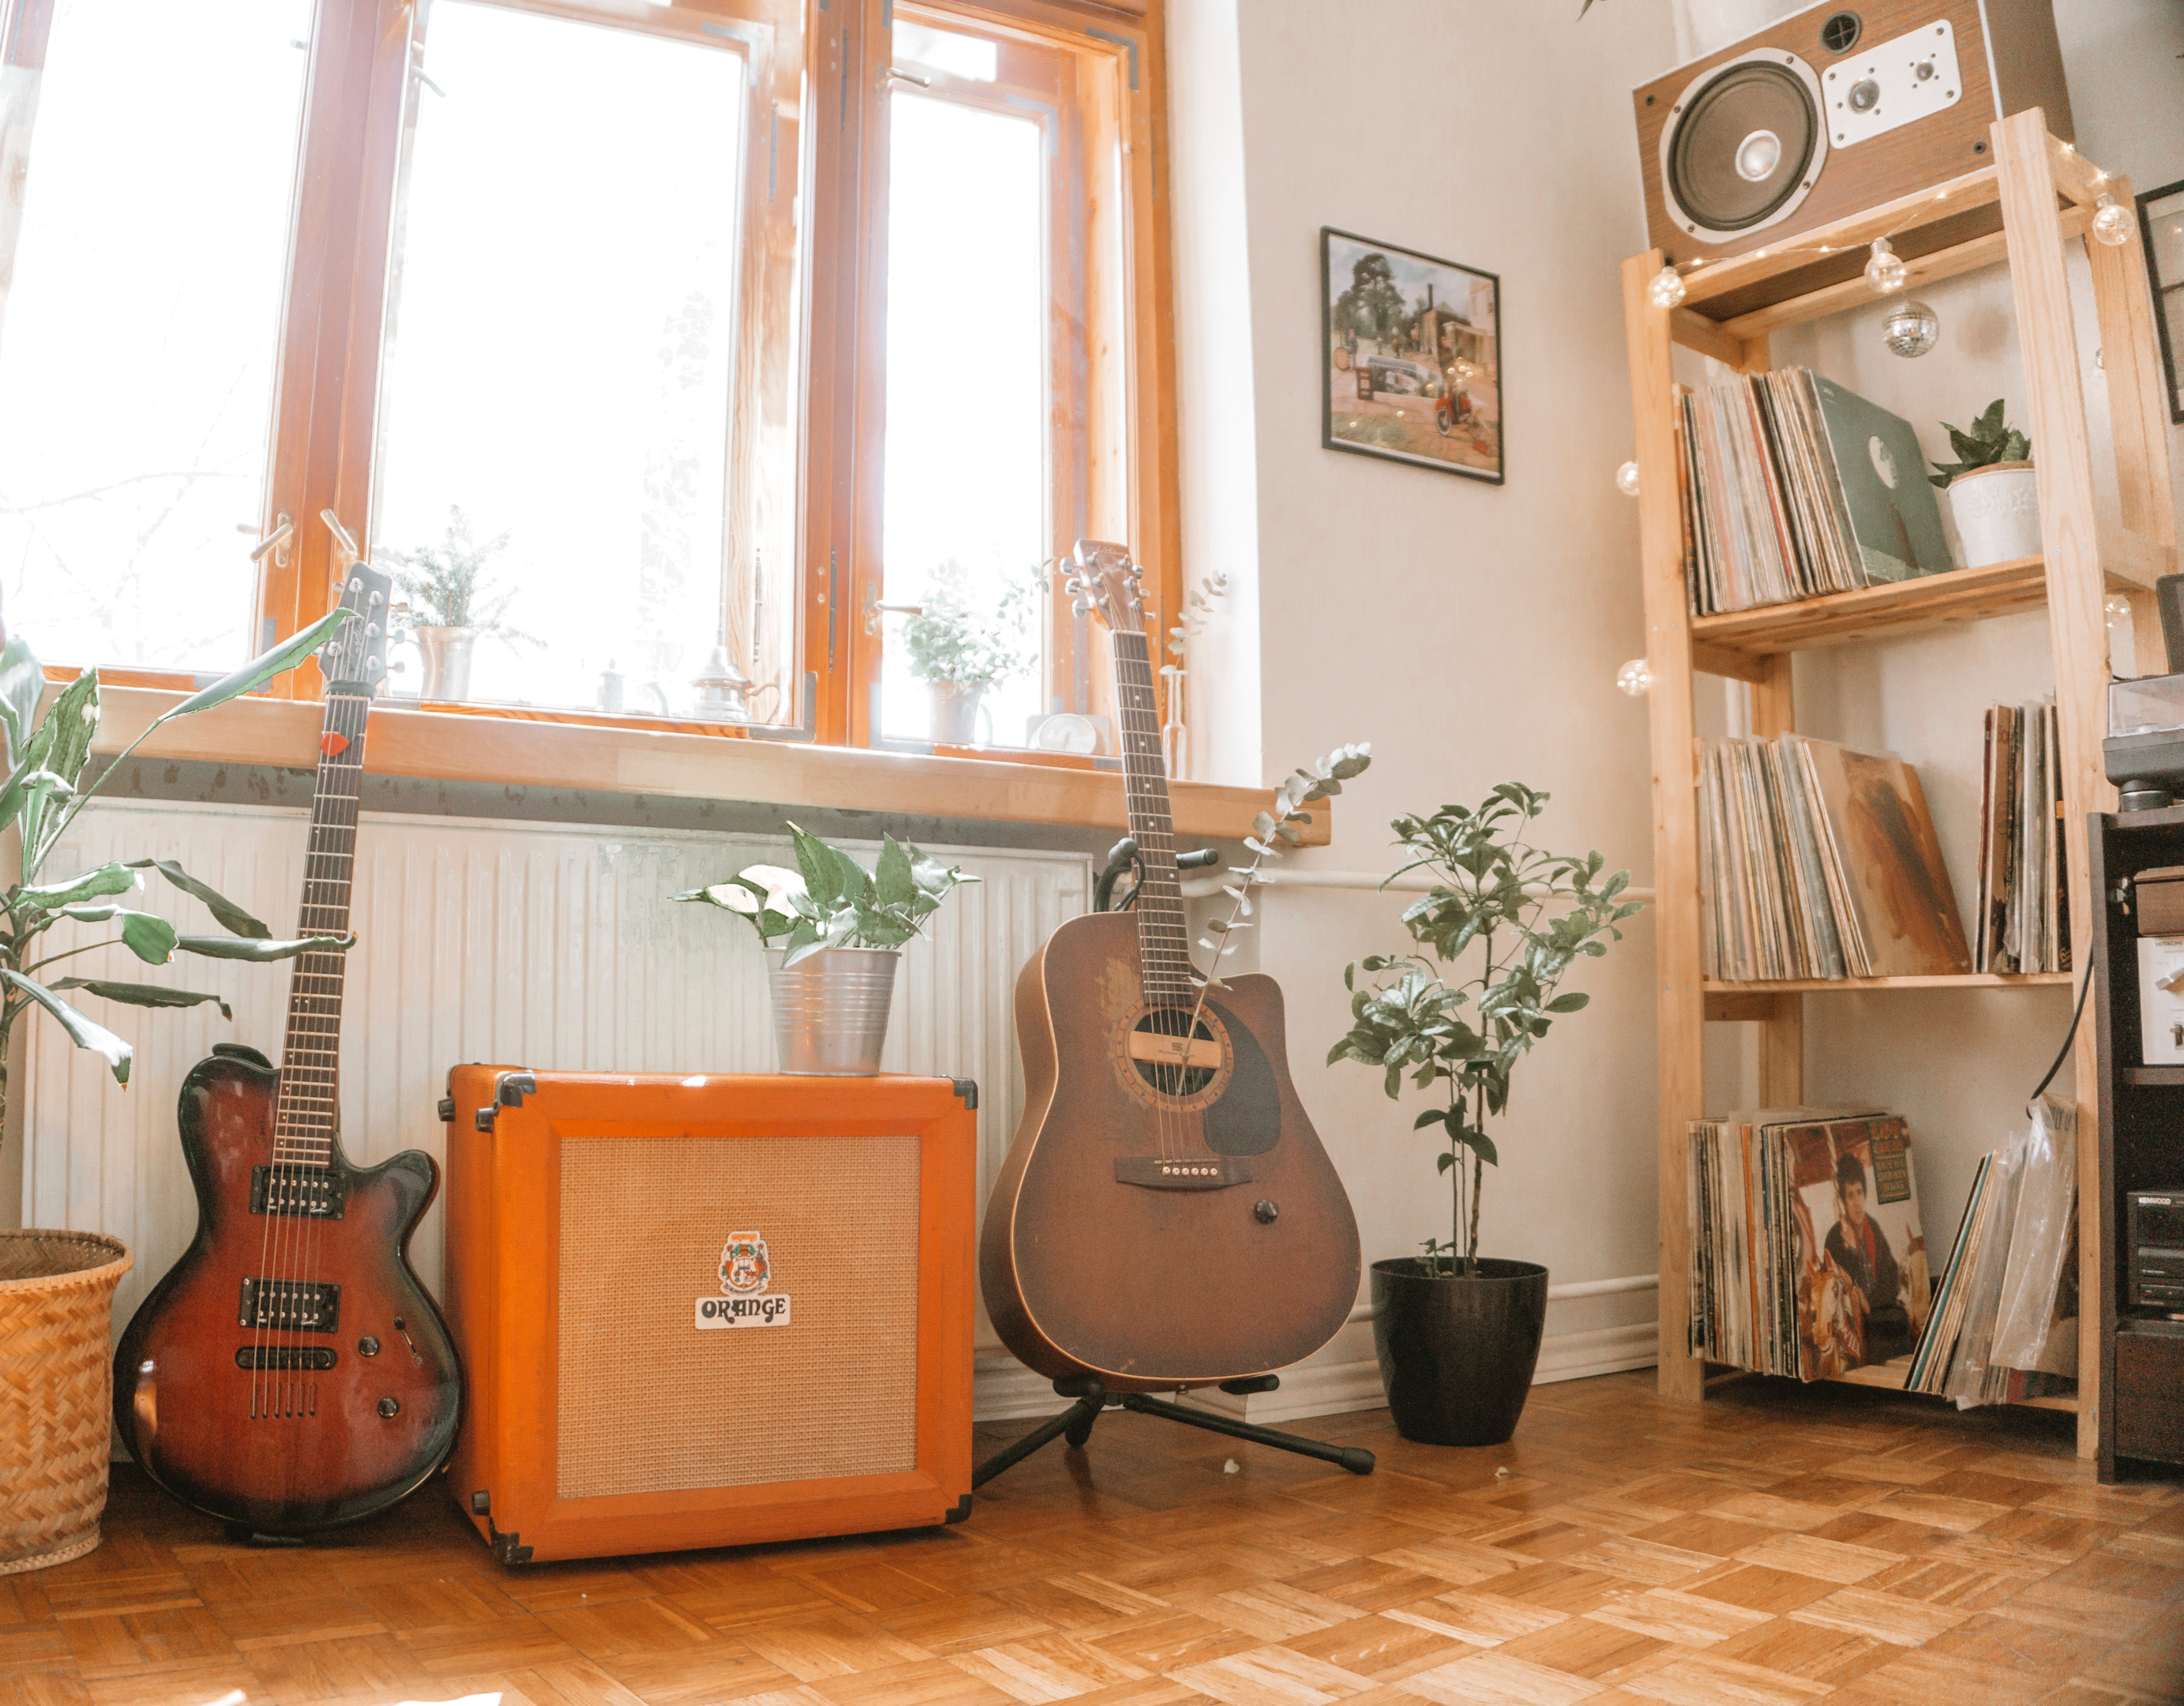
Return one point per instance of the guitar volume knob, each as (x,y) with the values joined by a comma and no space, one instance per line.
(1266,1209)
(389,1408)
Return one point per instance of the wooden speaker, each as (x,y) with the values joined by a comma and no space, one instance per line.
(1834,110)
(707,1310)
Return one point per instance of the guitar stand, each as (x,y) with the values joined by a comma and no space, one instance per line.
(1076,1422)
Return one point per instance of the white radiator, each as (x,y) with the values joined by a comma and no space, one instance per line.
(538,946)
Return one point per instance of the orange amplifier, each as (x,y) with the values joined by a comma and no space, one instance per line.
(707,1310)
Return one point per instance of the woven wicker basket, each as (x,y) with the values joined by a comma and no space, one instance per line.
(56,1391)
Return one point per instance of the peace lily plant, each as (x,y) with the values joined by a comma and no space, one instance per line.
(44,794)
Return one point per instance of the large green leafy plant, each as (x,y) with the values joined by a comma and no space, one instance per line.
(1518,919)
(832,901)
(45,791)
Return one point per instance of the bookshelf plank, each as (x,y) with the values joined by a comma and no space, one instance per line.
(1961,595)
(1889,1377)
(1731,993)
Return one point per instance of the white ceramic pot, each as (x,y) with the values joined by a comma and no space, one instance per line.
(954,712)
(1997,512)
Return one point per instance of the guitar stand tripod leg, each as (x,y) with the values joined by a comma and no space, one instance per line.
(1076,1422)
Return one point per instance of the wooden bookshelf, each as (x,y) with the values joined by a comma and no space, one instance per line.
(2046,193)
(1889,1377)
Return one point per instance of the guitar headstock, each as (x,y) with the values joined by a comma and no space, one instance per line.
(1103,578)
(354,660)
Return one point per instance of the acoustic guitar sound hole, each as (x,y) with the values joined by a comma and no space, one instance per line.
(1164,1062)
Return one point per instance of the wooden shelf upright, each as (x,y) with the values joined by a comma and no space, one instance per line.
(2047,194)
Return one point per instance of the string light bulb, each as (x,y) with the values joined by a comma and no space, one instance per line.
(2111,223)
(1666,287)
(1635,677)
(1885,272)
(1626,479)
(2116,606)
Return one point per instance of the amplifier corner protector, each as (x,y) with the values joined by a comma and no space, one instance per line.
(962,1508)
(509,1548)
(967,1088)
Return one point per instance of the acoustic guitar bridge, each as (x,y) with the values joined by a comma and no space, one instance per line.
(1183,1172)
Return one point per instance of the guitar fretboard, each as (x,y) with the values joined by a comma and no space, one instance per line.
(1163,938)
(304,1117)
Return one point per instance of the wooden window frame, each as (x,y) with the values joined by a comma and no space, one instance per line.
(1115,475)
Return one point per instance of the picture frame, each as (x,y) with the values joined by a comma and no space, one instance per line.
(1410,357)
(2161,236)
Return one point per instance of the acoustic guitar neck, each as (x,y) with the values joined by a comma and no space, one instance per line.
(1164,968)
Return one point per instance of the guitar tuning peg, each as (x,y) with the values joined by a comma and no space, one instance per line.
(1082,606)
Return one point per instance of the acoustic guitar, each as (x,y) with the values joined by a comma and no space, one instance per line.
(289,1373)
(1166,1216)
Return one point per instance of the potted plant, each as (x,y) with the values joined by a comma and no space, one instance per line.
(1993,491)
(56,1287)
(448,606)
(1457,1334)
(958,656)
(841,929)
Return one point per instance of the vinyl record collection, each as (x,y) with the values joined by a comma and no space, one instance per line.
(2022,919)
(1808,1256)
(1819,862)
(2005,1325)
(1793,487)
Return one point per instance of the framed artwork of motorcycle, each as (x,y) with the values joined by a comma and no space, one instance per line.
(1411,357)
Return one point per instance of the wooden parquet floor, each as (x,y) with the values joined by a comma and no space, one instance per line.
(1777,1547)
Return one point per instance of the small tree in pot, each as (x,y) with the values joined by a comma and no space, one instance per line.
(449,607)
(959,656)
(1457,1334)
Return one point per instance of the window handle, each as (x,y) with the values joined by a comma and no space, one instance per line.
(873,608)
(275,542)
(343,538)
(896,73)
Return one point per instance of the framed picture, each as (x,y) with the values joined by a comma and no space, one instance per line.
(2161,227)
(1411,357)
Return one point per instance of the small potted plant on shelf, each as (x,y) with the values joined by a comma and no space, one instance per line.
(1457,1334)
(959,656)
(450,608)
(57,1287)
(841,930)
(1993,491)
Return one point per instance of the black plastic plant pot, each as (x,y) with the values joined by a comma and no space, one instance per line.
(1457,1354)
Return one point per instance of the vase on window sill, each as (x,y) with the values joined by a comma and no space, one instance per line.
(956,713)
(447,660)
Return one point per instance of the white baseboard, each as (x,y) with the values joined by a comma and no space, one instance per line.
(1004,1390)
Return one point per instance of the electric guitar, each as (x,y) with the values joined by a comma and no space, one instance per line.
(289,1373)
(1166,1216)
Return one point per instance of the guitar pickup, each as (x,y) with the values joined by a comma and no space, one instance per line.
(300,1195)
(294,1306)
(1183,1172)
(313,1359)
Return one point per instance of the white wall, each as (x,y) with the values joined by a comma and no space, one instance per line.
(1472,633)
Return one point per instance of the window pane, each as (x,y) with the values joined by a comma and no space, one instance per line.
(967,439)
(561,349)
(139,334)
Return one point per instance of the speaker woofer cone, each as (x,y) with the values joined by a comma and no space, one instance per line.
(1743,145)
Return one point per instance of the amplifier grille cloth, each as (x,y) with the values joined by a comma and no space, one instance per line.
(648,1401)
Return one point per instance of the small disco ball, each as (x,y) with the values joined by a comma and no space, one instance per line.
(1911,329)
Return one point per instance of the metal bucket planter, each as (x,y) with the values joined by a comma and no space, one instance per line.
(830,1009)
(447,661)
(1456,1354)
(56,1391)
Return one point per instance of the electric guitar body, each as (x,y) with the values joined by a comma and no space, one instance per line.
(286,1427)
(1166,1216)
(289,1373)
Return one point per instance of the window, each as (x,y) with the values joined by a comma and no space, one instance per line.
(699,343)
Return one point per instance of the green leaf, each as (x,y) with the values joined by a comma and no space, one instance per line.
(60,743)
(22,683)
(1568,1004)
(29,775)
(894,884)
(1483,1145)
(259,951)
(146,934)
(823,877)
(1432,1115)
(229,915)
(50,897)
(1443,1161)
(84,1032)
(143,994)
(260,669)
